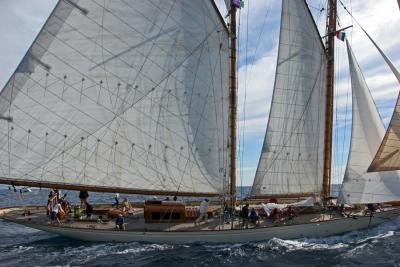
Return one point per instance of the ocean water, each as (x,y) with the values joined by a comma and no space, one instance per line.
(21,246)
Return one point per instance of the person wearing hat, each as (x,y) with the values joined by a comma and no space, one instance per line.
(203,209)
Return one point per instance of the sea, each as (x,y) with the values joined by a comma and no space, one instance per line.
(21,246)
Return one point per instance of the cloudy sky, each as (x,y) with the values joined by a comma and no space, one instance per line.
(21,20)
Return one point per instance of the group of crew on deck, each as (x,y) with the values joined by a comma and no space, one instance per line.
(120,211)
(249,216)
(246,214)
(57,206)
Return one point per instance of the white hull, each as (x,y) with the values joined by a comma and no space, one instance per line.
(308,230)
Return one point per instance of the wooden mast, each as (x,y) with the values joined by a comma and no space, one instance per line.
(233,105)
(330,52)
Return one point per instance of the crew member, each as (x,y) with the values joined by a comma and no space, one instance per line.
(245,216)
(119,223)
(83,196)
(203,211)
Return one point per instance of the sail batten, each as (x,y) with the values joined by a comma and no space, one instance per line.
(359,186)
(129,95)
(291,161)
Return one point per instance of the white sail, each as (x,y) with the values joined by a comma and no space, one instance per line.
(388,155)
(228,4)
(291,161)
(359,186)
(122,94)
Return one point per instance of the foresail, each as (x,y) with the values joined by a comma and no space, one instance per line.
(359,186)
(118,94)
(291,161)
(388,156)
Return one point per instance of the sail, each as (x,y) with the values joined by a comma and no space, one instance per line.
(291,160)
(228,4)
(118,95)
(359,186)
(388,157)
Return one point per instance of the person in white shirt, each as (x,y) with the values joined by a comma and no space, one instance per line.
(54,212)
(203,211)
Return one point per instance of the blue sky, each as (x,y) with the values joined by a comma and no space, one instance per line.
(21,20)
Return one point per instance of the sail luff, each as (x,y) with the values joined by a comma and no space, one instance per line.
(221,18)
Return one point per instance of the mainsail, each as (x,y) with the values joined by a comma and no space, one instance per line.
(291,161)
(359,186)
(121,95)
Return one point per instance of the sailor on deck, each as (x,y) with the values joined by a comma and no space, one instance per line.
(116,203)
(245,216)
(203,211)
(119,223)
(126,206)
(83,196)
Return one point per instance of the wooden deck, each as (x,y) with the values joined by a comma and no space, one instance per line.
(136,222)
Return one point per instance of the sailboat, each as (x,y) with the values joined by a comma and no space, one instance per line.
(139,97)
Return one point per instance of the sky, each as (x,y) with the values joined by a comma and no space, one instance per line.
(21,20)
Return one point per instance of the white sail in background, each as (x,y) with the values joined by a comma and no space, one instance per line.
(291,161)
(359,186)
(122,94)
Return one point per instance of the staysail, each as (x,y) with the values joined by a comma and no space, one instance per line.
(388,156)
(291,161)
(129,96)
(359,186)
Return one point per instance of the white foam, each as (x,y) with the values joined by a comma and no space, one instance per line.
(145,248)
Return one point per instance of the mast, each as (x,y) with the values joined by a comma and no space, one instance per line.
(330,52)
(233,106)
